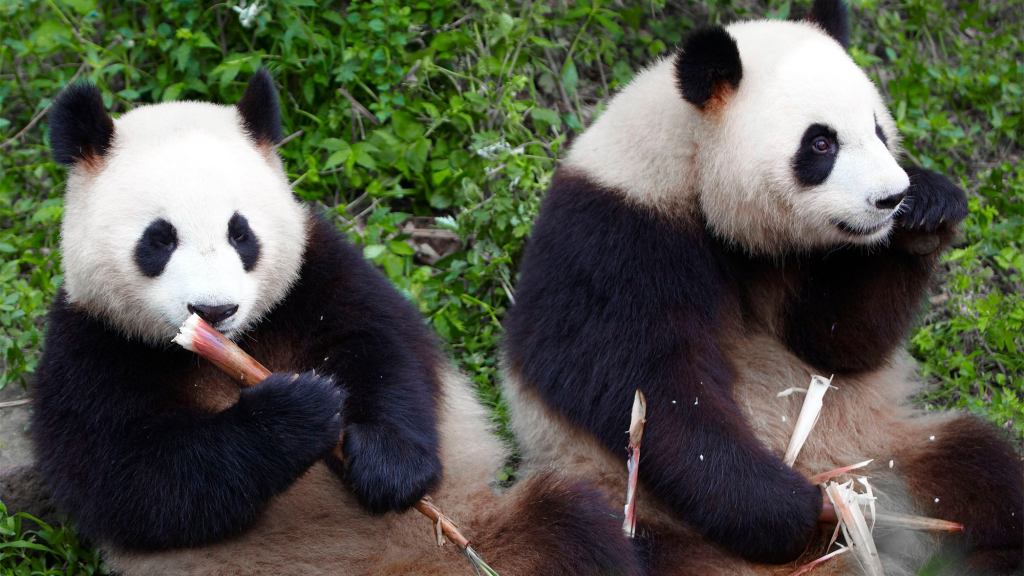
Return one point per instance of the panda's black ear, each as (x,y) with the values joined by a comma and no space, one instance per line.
(834,18)
(708,67)
(80,128)
(261,114)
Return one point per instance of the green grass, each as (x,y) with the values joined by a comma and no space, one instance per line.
(469,104)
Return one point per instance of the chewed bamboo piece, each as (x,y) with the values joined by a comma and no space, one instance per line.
(830,474)
(636,434)
(855,527)
(808,417)
(804,569)
(842,504)
(198,336)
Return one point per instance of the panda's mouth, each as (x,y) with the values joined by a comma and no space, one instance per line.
(853,230)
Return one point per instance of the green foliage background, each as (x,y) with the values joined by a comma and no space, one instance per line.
(448,116)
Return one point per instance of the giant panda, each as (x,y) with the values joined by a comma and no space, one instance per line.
(158,457)
(735,221)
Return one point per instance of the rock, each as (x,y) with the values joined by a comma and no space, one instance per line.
(15,446)
(21,487)
(22,490)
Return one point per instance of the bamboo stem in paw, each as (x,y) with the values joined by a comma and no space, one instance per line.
(198,336)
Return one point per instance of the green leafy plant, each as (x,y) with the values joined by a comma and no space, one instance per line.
(29,546)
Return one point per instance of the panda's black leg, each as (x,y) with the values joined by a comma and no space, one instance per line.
(964,470)
(362,332)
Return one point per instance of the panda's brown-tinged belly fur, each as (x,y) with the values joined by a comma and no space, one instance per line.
(866,417)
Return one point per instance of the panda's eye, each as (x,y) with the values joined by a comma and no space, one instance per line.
(162,235)
(821,145)
(244,240)
(155,248)
(238,229)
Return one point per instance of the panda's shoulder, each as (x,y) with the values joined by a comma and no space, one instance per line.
(82,353)
(331,257)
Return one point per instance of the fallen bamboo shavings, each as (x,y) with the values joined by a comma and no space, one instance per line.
(638,418)
(911,522)
(791,391)
(805,568)
(808,417)
(842,504)
(830,474)
(198,336)
(13,403)
(855,527)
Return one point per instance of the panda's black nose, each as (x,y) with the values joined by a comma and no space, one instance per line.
(213,314)
(890,202)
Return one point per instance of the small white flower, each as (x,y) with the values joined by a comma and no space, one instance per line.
(247,14)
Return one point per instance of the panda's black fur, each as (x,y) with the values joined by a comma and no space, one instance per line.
(615,295)
(172,475)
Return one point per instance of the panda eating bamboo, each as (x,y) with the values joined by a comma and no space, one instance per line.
(183,208)
(735,221)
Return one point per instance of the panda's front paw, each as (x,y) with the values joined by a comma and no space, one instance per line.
(387,470)
(933,203)
(301,413)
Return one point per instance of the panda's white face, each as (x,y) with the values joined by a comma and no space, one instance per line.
(800,155)
(803,154)
(185,213)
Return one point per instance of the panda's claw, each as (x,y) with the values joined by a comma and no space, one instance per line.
(386,470)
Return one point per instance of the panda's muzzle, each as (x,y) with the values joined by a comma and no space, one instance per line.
(213,314)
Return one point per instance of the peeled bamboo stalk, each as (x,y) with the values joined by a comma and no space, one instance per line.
(636,434)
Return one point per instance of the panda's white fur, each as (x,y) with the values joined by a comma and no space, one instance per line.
(646,143)
(725,173)
(144,177)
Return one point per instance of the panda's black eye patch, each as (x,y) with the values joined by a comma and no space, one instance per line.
(816,155)
(244,241)
(154,248)
(880,133)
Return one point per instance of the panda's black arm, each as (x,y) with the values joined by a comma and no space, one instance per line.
(363,332)
(851,308)
(138,471)
(610,300)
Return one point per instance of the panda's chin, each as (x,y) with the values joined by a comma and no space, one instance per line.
(863,234)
